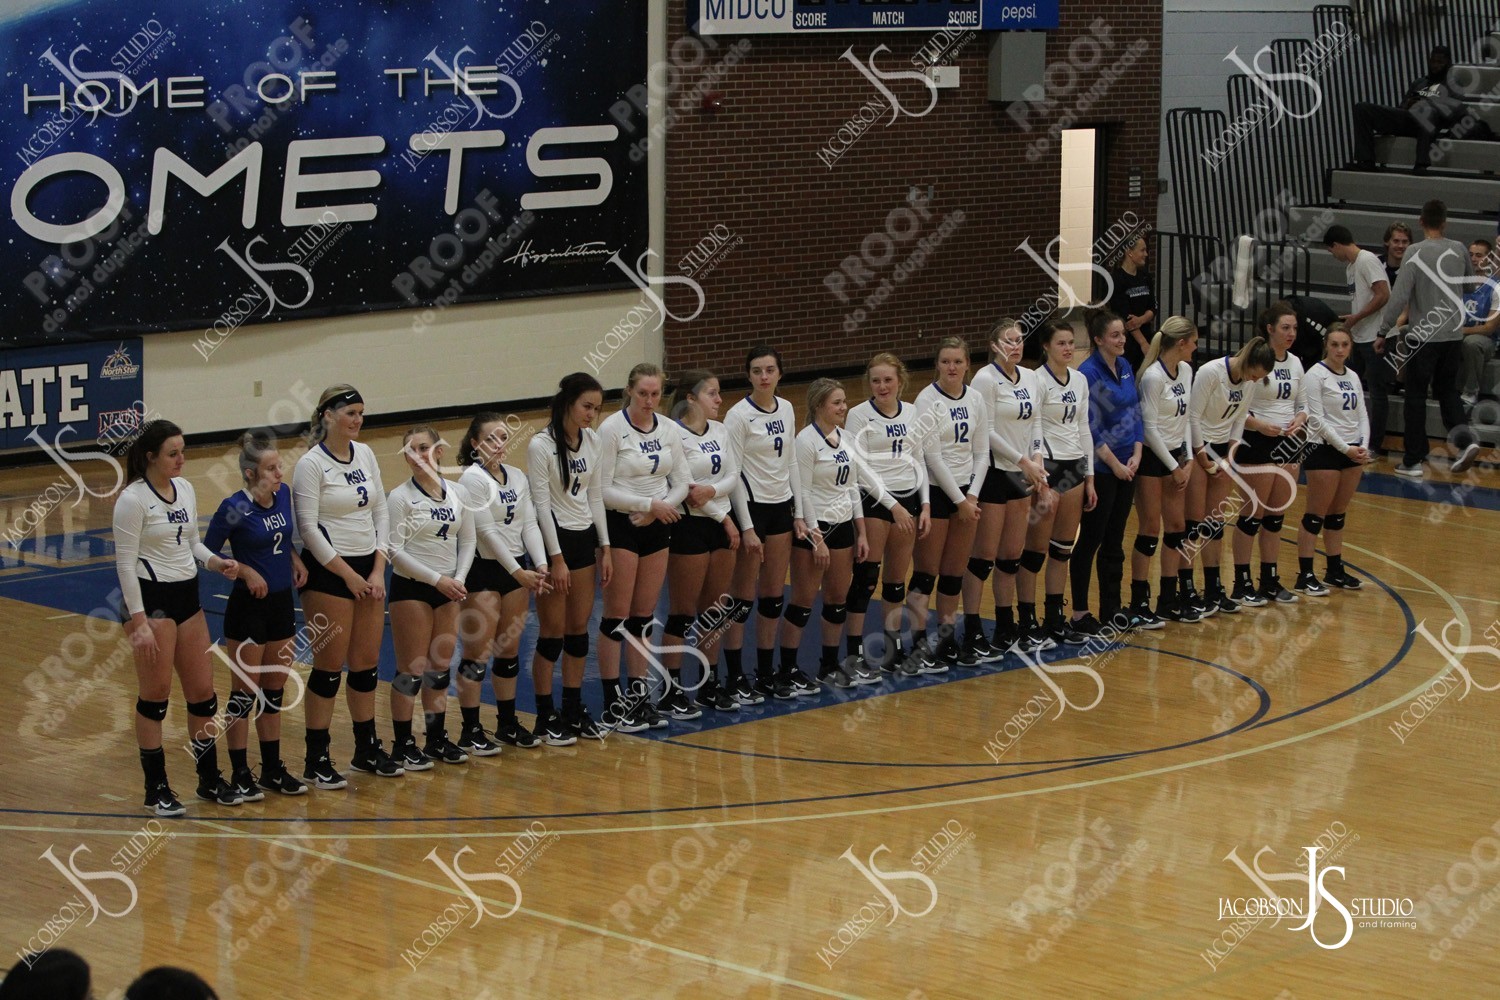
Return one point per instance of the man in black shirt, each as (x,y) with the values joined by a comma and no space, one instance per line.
(1431,103)
(1134,301)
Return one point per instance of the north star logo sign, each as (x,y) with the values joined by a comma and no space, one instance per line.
(119,365)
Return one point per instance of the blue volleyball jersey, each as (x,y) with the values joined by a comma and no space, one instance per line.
(260,537)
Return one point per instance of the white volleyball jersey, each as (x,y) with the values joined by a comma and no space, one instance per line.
(1219,405)
(156,538)
(505,526)
(432,536)
(1280,396)
(638,466)
(1166,400)
(1065,417)
(958,451)
(831,475)
(1015,417)
(340,506)
(576,502)
(765,442)
(892,447)
(1336,407)
(711,462)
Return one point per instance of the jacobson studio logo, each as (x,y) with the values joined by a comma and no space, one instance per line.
(879,78)
(463,81)
(1263,78)
(78,878)
(1055,268)
(881,881)
(258,269)
(462,879)
(648,284)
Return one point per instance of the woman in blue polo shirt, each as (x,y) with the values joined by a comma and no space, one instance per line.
(1115,422)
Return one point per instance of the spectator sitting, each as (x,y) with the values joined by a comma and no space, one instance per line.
(1431,103)
(1481,322)
(58,974)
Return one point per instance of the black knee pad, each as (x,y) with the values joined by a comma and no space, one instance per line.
(1216,529)
(739,612)
(506,666)
(922,583)
(797,615)
(271,699)
(472,670)
(1033,560)
(576,644)
(835,614)
(638,626)
(981,568)
(437,680)
(1248,525)
(1146,545)
(1334,522)
(407,684)
(950,586)
(1174,539)
(550,647)
(1010,567)
(1313,523)
(1273,522)
(1195,530)
(893,593)
(611,628)
(770,607)
(363,680)
(241,705)
(205,709)
(862,588)
(1061,551)
(678,625)
(324,683)
(153,710)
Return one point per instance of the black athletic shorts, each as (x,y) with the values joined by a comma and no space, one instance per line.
(578,546)
(696,536)
(835,536)
(177,601)
(872,508)
(1002,486)
(1263,449)
(1326,456)
(488,574)
(771,519)
(1151,463)
(643,541)
(406,589)
(324,581)
(259,619)
(1065,473)
(943,507)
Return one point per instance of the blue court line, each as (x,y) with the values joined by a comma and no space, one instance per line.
(666,810)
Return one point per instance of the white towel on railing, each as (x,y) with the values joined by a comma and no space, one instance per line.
(1244,270)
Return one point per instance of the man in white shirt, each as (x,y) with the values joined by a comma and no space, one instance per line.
(1371,289)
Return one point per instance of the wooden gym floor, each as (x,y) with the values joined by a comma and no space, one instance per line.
(984,834)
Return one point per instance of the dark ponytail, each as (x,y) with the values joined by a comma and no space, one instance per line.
(467,453)
(568,390)
(147,444)
(1099,321)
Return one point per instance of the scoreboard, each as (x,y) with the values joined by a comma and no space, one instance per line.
(742,17)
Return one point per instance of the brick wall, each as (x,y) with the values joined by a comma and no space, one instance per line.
(753,168)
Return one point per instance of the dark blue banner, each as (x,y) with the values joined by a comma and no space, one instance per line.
(213,164)
(53,396)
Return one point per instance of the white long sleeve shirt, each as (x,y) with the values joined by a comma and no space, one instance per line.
(1165,402)
(1219,405)
(576,503)
(958,453)
(765,442)
(832,474)
(1336,407)
(1280,396)
(711,462)
(505,525)
(1015,414)
(431,536)
(638,466)
(893,448)
(156,538)
(1065,417)
(340,507)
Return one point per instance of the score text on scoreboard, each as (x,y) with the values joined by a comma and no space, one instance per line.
(750,17)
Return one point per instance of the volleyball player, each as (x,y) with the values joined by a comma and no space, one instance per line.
(957,461)
(1340,425)
(1221,389)
(883,431)
(1119,441)
(1012,397)
(1070,472)
(1274,440)
(157,551)
(762,430)
(832,474)
(432,548)
(704,543)
(260,619)
(1166,400)
(340,509)
(505,572)
(644,476)
(563,470)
